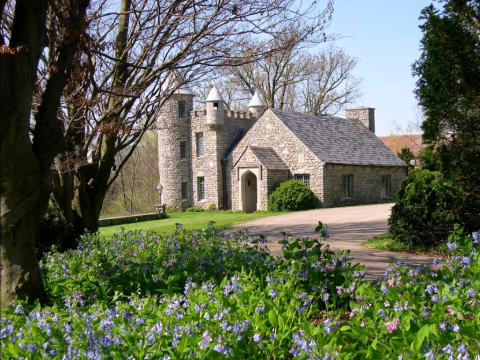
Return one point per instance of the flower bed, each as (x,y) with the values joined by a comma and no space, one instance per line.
(197,295)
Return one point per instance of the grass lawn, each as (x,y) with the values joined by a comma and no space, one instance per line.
(190,220)
(385,242)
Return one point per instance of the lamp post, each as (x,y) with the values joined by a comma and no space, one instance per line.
(159,190)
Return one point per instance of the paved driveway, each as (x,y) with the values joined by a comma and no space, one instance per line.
(348,228)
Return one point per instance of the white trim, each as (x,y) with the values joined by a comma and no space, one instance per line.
(241,189)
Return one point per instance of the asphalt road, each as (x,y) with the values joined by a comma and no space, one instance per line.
(348,228)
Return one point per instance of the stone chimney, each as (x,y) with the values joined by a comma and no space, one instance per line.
(365,114)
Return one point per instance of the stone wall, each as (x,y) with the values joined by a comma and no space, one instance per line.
(217,139)
(271,132)
(172,169)
(367,184)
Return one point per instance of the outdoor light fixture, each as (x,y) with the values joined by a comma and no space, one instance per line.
(160,190)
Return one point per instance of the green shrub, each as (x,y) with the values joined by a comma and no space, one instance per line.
(55,231)
(195,209)
(291,195)
(426,209)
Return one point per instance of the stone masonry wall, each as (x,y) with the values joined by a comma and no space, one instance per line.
(364,114)
(271,132)
(217,139)
(367,184)
(172,169)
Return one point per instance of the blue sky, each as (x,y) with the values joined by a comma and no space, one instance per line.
(384,36)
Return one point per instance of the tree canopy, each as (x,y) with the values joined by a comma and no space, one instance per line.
(448,90)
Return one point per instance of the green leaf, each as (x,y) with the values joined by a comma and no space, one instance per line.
(422,334)
(373,354)
(183,343)
(272,317)
(405,319)
(281,322)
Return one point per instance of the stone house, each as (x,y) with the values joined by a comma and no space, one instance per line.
(232,160)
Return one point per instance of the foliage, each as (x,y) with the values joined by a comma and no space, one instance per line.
(426,209)
(134,189)
(291,195)
(195,209)
(206,298)
(448,91)
(54,231)
(407,156)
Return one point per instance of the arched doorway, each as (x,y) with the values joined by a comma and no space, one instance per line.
(249,192)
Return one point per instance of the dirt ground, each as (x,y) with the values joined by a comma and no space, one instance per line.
(348,228)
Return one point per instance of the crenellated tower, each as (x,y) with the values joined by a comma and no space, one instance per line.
(256,106)
(215,108)
(174,148)
(193,147)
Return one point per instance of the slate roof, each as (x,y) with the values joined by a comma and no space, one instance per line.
(269,158)
(339,141)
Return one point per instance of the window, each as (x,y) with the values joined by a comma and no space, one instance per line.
(215,105)
(347,186)
(199,138)
(181,108)
(304,178)
(184,191)
(183,149)
(386,185)
(201,188)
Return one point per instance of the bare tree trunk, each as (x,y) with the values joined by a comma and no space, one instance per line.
(25,164)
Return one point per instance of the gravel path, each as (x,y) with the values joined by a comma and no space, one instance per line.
(348,228)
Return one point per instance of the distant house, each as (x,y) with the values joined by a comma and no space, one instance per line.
(412,142)
(232,160)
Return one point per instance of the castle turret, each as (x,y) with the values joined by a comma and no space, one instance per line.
(215,108)
(256,106)
(174,146)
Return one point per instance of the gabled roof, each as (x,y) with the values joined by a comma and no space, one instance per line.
(268,158)
(339,141)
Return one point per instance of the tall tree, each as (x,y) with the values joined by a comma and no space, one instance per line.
(330,85)
(26,158)
(296,80)
(114,101)
(447,184)
(448,89)
(274,74)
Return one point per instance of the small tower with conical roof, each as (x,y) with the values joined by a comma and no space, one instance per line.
(215,108)
(256,106)
(174,145)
